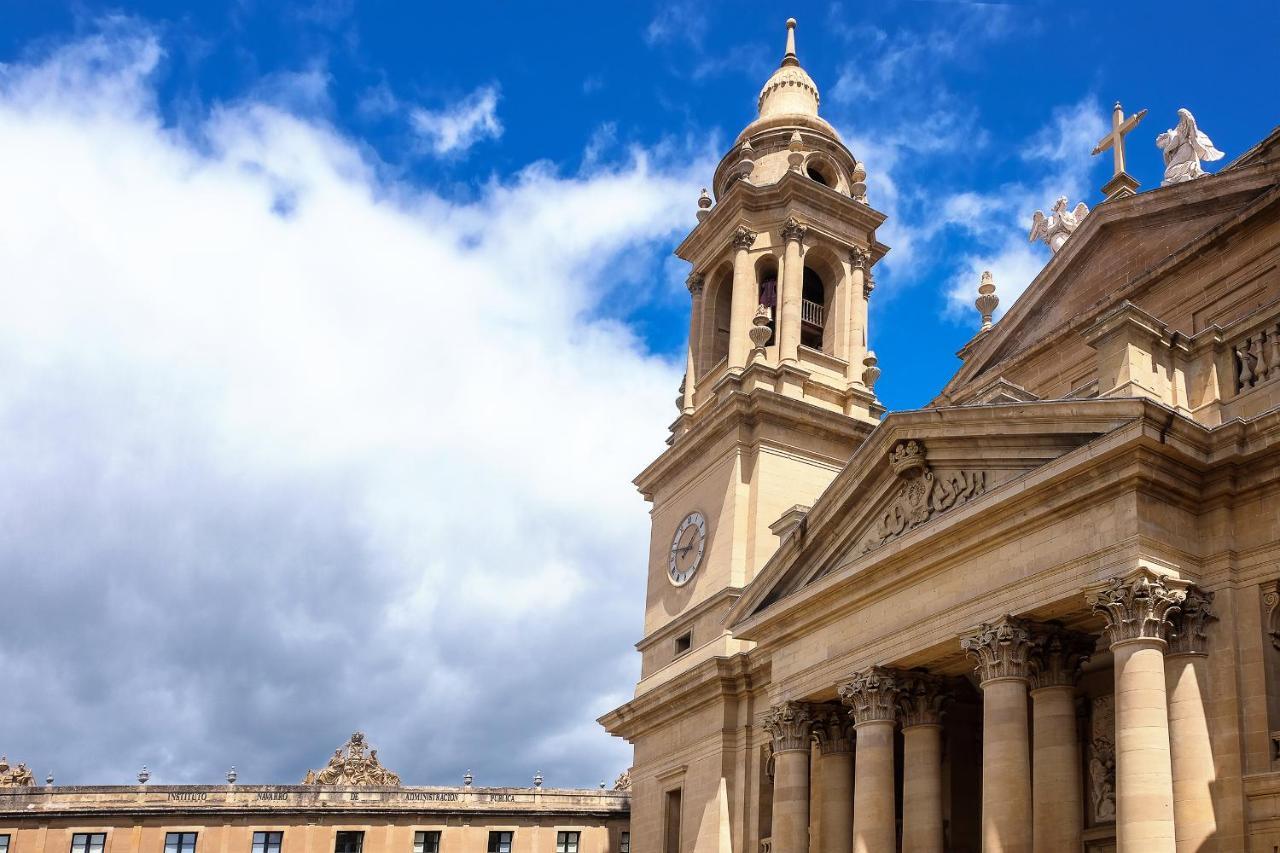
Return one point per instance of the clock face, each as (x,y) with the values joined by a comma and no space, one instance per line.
(686,548)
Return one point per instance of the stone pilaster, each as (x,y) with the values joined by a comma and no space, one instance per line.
(833,732)
(1001,652)
(792,290)
(856,351)
(1138,608)
(790,724)
(872,697)
(1190,750)
(1056,784)
(695,284)
(744,299)
(920,707)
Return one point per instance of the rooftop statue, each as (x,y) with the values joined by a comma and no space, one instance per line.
(350,766)
(1058,226)
(15,777)
(1184,146)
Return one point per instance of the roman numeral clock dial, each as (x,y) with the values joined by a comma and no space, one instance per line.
(686,549)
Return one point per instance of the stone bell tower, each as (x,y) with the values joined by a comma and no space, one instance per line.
(780,382)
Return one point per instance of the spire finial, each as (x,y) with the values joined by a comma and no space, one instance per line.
(987,300)
(789,58)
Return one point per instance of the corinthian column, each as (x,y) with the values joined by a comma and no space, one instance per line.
(1001,649)
(1191,755)
(1057,809)
(920,706)
(744,299)
(792,291)
(1137,608)
(790,725)
(695,284)
(832,731)
(859,296)
(872,696)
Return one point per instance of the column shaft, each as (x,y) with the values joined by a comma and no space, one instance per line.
(792,293)
(744,300)
(1191,758)
(1144,778)
(1006,767)
(791,801)
(695,285)
(874,813)
(1057,808)
(835,799)
(922,830)
(856,298)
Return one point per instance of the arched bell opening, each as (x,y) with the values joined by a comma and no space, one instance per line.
(767,288)
(720,300)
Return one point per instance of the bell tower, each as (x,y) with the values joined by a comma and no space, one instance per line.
(780,384)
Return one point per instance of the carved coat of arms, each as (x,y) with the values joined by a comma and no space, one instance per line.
(922,495)
(353,764)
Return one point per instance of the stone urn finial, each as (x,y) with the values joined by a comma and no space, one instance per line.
(143,775)
(537,779)
(231,775)
(704,205)
(467,779)
(987,300)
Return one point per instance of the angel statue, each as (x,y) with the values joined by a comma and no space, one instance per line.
(1057,227)
(1184,147)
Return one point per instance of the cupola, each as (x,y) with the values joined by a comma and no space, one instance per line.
(790,91)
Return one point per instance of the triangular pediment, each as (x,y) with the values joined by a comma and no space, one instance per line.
(917,468)
(1121,248)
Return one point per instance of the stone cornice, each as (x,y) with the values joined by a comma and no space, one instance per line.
(710,681)
(1137,606)
(1000,649)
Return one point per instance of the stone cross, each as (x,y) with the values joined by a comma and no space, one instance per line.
(1122,183)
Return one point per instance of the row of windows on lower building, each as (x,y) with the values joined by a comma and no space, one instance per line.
(427,841)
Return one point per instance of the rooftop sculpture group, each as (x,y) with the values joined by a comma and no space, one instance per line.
(14,777)
(349,765)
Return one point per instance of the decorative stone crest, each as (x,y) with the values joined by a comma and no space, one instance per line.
(1057,655)
(695,284)
(922,495)
(922,699)
(1138,605)
(743,237)
(794,229)
(1000,649)
(1189,631)
(349,765)
(872,695)
(15,777)
(623,782)
(790,725)
(831,730)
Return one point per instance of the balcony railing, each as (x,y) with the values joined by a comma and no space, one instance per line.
(811,312)
(1258,357)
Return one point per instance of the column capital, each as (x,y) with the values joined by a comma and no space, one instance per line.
(859,258)
(922,698)
(789,724)
(872,695)
(1188,633)
(743,237)
(695,284)
(794,229)
(1057,655)
(1000,649)
(1138,605)
(831,730)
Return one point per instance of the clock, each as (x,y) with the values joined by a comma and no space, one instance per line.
(687,547)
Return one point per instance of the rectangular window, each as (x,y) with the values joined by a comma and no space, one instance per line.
(427,841)
(672,834)
(4,844)
(683,643)
(624,843)
(349,842)
(267,842)
(500,842)
(179,842)
(566,842)
(88,842)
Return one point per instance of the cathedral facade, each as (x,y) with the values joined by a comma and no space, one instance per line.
(1039,614)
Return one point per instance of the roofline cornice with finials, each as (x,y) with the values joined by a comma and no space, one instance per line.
(1258,179)
(746,203)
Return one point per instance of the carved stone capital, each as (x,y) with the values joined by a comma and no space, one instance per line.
(794,229)
(1271,601)
(872,695)
(1138,605)
(743,238)
(1000,649)
(790,725)
(832,730)
(868,284)
(695,284)
(922,699)
(859,258)
(1189,632)
(1057,655)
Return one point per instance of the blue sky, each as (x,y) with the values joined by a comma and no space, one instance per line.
(335,331)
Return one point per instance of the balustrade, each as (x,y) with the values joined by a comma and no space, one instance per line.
(1257,357)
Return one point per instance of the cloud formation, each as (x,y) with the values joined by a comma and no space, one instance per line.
(290,447)
(461,125)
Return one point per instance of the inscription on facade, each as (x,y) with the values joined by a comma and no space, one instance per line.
(272,795)
(502,798)
(432,796)
(188,796)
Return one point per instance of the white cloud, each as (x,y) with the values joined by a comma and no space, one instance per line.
(461,125)
(290,448)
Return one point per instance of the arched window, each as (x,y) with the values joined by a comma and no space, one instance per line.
(769,289)
(818,174)
(721,312)
(813,308)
